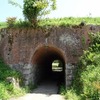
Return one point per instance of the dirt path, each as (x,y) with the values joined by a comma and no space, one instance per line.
(34,96)
(45,91)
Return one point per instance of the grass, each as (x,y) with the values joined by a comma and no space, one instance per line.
(86,84)
(67,21)
(3,25)
(7,90)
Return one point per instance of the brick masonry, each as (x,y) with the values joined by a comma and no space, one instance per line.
(24,48)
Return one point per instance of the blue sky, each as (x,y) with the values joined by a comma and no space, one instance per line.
(65,8)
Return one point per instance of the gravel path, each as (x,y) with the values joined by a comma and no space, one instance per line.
(45,91)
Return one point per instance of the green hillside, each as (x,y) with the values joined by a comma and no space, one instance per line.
(67,21)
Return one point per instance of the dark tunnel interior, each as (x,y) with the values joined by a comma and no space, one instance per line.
(43,59)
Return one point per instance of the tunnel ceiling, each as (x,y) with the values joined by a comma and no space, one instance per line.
(46,53)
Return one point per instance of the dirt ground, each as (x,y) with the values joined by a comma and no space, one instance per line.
(45,91)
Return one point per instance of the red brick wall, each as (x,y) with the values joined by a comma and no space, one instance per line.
(19,45)
(32,50)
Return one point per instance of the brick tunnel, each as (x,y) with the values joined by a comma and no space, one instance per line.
(33,51)
(42,63)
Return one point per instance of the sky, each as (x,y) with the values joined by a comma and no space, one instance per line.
(65,8)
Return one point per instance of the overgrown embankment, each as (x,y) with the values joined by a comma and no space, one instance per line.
(9,82)
(67,21)
(86,85)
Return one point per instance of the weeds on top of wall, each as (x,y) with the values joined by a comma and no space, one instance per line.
(86,84)
(3,25)
(11,21)
(22,24)
(67,21)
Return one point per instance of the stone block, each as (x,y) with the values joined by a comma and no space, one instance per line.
(26,83)
(27,66)
(69,78)
(69,72)
(68,83)
(28,71)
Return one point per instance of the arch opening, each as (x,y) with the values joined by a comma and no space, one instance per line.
(43,62)
(57,66)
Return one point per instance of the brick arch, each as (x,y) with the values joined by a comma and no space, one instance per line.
(42,60)
(49,48)
(19,48)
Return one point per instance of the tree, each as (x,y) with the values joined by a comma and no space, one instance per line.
(34,9)
(14,2)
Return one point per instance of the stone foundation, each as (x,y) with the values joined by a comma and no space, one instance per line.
(69,69)
(32,74)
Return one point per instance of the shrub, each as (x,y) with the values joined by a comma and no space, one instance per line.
(11,21)
(22,24)
(91,82)
(8,90)
(71,95)
(33,9)
(6,71)
(86,84)
(90,69)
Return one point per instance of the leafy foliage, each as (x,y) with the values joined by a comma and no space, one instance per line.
(33,9)
(87,79)
(71,95)
(7,90)
(11,21)
(14,2)
(68,21)
(3,25)
(5,71)
(22,24)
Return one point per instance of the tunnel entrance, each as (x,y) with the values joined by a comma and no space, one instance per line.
(57,66)
(49,65)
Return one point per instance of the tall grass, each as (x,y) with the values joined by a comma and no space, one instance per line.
(7,90)
(86,85)
(3,25)
(67,21)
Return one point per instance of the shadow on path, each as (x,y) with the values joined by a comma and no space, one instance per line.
(47,90)
(47,87)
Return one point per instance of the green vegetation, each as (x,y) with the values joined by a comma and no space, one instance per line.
(7,89)
(53,22)
(3,25)
(15,3)
(11,21)
(33,10)
(86,85)
(69,21)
